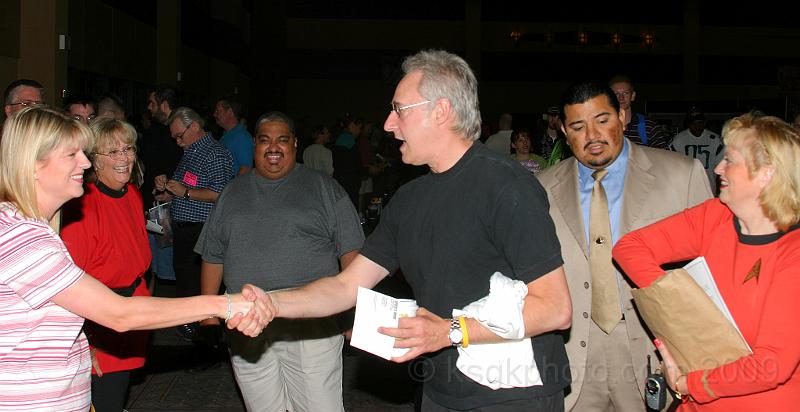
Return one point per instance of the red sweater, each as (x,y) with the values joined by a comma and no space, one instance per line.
(106,238)
(763,307)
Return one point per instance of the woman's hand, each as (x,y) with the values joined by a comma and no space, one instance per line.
(250,311)
(675,378)
(95,362)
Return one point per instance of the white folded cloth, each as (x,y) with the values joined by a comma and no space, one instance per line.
(507,364)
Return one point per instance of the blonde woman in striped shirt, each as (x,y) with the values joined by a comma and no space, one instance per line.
(44,297)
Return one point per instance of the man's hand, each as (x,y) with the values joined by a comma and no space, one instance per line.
(260,311)
(262,299)
(160,189)
(176,188)
(162,196)
(160,183)
(424,333)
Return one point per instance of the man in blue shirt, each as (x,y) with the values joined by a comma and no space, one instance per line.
(607,344)
(236,138)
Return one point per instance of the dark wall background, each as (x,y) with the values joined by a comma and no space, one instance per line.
(318,59)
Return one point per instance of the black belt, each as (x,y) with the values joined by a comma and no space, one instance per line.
(128,291)
(178,223)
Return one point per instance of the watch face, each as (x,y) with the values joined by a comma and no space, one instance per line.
(456,336)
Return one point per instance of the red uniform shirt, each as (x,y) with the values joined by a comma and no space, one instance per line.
(106,237)
(763,307)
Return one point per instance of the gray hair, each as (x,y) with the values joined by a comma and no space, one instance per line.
(11,91)
(276,116)
(447,76)
(110,102)
(187,116)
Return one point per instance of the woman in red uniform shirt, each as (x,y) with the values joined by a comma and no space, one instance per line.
(750,240)
(104,232)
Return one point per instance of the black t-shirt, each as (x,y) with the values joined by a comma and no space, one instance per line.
(450,232)
(347,170)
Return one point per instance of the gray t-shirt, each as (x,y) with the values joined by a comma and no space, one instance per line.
(318,157)
(280,233)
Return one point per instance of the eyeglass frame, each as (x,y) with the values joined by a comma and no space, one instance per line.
(625,93)
(180,136)
(399,109)
(128,151)
(27,103)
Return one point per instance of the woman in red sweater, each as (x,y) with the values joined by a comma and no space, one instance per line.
(750,240)
(104,232)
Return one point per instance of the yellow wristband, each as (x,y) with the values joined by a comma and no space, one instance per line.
(463,324)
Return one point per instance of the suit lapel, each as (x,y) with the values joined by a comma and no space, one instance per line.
(566,197)
(639,182)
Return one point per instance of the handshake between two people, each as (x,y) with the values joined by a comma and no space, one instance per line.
(424,333)
(250,311)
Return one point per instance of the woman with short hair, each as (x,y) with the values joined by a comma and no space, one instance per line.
(104,231)
(750,241)
(521,143)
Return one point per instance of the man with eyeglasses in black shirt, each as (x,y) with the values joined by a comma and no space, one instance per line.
(477,212)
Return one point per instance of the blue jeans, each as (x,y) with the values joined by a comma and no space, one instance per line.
(161,264)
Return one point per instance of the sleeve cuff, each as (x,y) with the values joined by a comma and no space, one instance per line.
(699,388)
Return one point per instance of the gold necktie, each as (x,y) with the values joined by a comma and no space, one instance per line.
(605,292)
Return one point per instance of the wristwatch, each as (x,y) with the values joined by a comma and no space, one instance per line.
(186,194)
(456,335)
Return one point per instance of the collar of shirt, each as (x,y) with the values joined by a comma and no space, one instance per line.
(201,143)
(234,130)
(613,184)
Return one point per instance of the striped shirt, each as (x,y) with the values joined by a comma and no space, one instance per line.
(656,135)
(44,356)
(206,164)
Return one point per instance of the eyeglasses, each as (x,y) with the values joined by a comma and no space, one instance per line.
(624,93)
(26,103)
(399,109)
(180,135)
(125,152)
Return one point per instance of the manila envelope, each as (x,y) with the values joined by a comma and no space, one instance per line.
(697,334)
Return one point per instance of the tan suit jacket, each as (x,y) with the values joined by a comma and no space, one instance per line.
(658,183)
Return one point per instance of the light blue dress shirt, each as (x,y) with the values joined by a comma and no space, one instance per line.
(613,184)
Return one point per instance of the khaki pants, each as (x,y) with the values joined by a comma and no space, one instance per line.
(294,365)
(609,383)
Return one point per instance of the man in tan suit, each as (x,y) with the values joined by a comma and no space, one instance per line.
(642,185)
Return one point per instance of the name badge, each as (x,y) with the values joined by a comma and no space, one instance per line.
(190,178)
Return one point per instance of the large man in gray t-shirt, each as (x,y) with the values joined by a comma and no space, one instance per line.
(282,226)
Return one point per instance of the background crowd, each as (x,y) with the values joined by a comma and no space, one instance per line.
(281,205)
